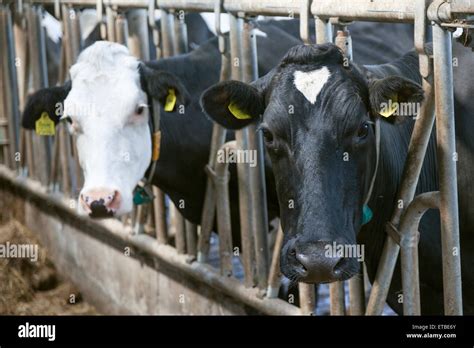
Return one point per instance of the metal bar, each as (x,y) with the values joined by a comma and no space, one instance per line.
(413,164)
(180,34)
(138,41)
(274,276)
(180,228)
(110,23)
(191,238)
(224,226)
(241,136)
(167,33)
(121,30)
(446,138)
(365,10)
(336,295)
(409,249)
(9,85)
(159,212)
(39,79)
(307,298)
(257,187)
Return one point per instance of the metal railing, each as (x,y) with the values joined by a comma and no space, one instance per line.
(260,269)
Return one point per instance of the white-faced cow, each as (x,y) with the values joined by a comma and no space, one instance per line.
(323,158)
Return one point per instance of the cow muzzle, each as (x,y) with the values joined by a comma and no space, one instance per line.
(100,202)
(315,262)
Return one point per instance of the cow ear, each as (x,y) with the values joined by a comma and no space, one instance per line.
(395,98)
(164,87)
(233,104)
(47,100)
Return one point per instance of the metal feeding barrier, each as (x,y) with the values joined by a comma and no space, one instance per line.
(129,22)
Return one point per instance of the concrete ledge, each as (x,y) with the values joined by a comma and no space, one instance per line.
(121,273)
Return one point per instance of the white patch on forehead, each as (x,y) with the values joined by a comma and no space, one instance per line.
(310,83)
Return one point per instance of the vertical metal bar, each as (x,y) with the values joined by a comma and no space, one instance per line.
(181,34)
(10,87)
(121,30)
(138,41)
(446,138)
(166,24)
(257,187)
(409,249)
(357,294)
(160,216)
(307,298)
(180,238)
(110,16)
(241,136)
(218,139)
(274,276)
(39,79)
(191,238)
(336,294)
(323,31)
(413,164)
(221,182)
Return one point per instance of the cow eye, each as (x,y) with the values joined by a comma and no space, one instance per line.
(363,130)
(140,109)
(67,119)
(267,135)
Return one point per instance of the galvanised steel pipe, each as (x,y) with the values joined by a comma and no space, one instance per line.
(8,76)
(307,298)
(138,40)
(409,249)
(416,153)
(274,276)
(218,139)
(224,225)
(167,34)
(446,138)
(256,182)
(365,10)
(243,173)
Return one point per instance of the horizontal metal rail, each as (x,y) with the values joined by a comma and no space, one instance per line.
(362,10)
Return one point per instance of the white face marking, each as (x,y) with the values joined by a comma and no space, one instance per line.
(113,141)
(310,83)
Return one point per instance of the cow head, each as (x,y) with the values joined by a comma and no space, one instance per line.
(316,113)
(107,106)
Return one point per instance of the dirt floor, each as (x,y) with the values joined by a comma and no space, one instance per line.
(29,287)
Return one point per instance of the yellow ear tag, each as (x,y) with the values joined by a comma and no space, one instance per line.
(45,125)
(390,108)
(239,114)
(170,100)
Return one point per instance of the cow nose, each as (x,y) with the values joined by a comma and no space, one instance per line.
(314,262)
(100,203)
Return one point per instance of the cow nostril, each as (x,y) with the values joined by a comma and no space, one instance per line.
(97,204)
(340,265)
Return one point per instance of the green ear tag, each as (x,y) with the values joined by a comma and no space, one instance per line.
(45,125)
(366,214)
(391,107)
(239,114)
(141,196)
(170,100)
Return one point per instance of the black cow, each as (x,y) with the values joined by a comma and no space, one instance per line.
(323,159)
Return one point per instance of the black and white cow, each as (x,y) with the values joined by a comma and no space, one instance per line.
(323,158)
